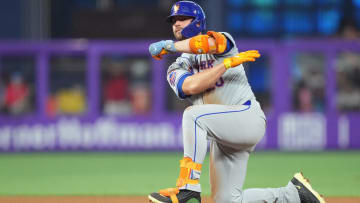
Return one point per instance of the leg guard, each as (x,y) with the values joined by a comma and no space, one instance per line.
(186,166)
(220,41)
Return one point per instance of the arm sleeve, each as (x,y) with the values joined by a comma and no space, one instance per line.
(177,73)
(231,48)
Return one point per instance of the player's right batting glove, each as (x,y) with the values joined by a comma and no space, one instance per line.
(158,49)
(240,58)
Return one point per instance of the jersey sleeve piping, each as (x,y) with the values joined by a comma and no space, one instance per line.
(179,85)
(229,45)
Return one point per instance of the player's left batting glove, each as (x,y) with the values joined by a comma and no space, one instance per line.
(158,49)
(240,58)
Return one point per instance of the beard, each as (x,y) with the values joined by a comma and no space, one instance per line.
(178,35)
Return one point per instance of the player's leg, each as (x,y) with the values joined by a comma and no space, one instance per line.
(198,121)
(194,141)
(235,130)
(227,176)
(195,146)
(230,151)
(240,127)
(227,173)
(221,122)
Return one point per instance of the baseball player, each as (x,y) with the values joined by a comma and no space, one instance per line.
(210,74)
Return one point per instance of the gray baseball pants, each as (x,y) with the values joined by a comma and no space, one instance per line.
(233,131)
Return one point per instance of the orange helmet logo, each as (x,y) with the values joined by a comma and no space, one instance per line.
(176,8)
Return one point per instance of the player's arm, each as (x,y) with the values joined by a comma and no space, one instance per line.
(200,82)
(189,45)
(212,42)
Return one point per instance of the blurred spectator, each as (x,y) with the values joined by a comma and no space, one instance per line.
(348,81)
(16,95)
(51,106)
(2,94)
(67,94)
(116,90)
(71,100)
(140,99)
(140,87)
(348,70)
(348,30)
(304,98)
(309,83)
(126,86)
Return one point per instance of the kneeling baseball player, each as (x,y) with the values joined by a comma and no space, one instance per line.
(225,111)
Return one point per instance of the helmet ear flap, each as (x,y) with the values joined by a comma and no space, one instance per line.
(194,28)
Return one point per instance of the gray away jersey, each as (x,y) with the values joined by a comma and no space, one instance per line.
(231,89)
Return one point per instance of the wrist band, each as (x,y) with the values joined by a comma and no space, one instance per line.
(227,63)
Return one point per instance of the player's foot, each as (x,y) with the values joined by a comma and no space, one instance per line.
(306,193)
(184,196)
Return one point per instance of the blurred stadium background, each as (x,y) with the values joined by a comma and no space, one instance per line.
(76,76)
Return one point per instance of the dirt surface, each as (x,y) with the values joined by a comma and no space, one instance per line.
(123,199)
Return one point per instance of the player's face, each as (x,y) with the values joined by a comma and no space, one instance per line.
(178,24)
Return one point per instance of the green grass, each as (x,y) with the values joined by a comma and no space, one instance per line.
(332,173)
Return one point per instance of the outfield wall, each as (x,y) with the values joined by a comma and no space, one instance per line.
(160,129)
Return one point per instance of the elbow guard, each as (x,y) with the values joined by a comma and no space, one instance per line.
(220,41)
(200,43)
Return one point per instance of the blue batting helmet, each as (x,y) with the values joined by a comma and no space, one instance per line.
(190,9)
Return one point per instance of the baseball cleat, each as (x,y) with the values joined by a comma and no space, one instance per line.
(306,193)
(184,196)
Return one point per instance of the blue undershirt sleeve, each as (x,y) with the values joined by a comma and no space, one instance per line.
(182,95)
(229,46)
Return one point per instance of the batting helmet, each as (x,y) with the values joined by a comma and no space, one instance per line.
(191,9)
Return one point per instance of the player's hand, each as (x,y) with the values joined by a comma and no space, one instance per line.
(158,49)
(240,58)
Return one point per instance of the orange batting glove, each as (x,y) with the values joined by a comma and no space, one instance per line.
(159,56)
(240,58)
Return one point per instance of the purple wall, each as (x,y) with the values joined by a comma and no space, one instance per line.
(162,130)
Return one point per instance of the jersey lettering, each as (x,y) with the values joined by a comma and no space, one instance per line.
(210,63)
(203,65)
(206,64)
(220,82)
